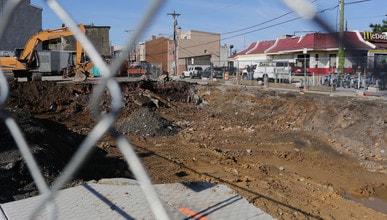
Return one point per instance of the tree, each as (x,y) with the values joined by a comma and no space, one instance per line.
(379,28)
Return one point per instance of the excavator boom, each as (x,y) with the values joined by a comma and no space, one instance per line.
(36,39)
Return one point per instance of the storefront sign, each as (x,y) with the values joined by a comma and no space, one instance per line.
(375,37)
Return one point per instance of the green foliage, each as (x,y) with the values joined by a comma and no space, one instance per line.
(379,28)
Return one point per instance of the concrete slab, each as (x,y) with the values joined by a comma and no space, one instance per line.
(123,199)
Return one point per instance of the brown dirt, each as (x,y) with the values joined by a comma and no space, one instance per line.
(293,155)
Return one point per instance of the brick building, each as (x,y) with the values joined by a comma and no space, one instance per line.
(194,48)
(160,50)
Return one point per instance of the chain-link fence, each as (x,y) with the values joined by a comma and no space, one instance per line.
(105,124)
(107,82)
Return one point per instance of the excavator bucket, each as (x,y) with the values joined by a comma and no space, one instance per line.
(80,76)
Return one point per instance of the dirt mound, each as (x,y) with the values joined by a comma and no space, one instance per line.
(294,155)
(54,118)
(145,122)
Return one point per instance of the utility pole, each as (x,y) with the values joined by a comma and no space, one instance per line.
(341,36)
(341,53)
(132,51)
(175,15)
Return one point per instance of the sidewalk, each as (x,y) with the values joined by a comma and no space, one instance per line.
(120,198)
(314,89)
(362,92)
(340,91)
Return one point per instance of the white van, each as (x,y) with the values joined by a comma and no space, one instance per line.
(264,69)
(273,70)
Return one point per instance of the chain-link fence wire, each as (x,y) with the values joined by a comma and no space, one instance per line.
(105,123)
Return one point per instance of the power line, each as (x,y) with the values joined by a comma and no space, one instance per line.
(263,28)
(355,2)
(229,4)
(273,19)
(258,29)
(256,25)
(273,25)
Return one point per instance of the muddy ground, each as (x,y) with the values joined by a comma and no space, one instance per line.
(294,155)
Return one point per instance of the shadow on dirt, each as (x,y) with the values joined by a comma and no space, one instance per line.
(52,146)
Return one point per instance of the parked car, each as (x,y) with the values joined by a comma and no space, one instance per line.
(193,72)
(231,70)
(215,72)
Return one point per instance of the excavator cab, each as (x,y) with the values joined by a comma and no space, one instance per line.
(32,65)
(34,60)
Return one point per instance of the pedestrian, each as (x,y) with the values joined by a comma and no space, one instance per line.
(329,78)
(248,72)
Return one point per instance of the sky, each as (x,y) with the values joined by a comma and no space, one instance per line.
(239,22)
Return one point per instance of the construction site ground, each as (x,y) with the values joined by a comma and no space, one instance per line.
(293,154)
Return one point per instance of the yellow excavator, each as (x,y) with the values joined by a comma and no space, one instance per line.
(26,62)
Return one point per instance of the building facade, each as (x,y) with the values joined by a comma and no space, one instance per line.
(25,22)
(317,53)
(194,48)
(98,35)
(160,50)
(198,48)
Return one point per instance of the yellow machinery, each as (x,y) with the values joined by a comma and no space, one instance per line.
(26,64)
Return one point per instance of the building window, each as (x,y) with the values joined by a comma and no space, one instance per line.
(302,61)
(332,61)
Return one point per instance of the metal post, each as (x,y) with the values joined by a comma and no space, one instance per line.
(341,35)
(305,51)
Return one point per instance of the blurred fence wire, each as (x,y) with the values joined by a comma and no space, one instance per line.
(105,124)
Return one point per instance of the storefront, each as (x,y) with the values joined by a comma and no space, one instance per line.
(317,53)
(377,58)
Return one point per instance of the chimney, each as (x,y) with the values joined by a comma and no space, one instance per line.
(179,32)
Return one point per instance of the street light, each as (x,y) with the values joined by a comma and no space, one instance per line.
(231,46)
